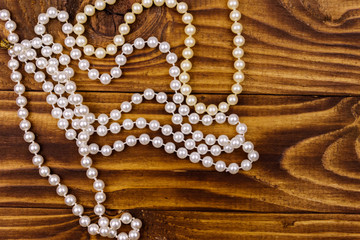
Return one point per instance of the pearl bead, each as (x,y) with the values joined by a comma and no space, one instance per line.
(166,130)
(120,60)
(4,15)
(161,97)
(164,47)
(175,85)
(253,156)
(187,18)
(105,78)
(70,200)
(152,42)
(248,147)
(37,160)
(194,118)
(115,223)
(195,157)
(119,146)
(178,137)
(235,15)
(241,128)
(134,235)
(127,49)
(14,38)
(81,18)
(84,221)
(124,29)
(190,144)
(170,107)
(182,153)
(233,4)
(223,140)
(116,72)
(189,41)
(149,94)
(126,106)
(182,7)
(170,147)
(126,218)
(81,41)
(154,125)
(171,58)
(99,185)
(137,8)
(236,28)
(220,166)
(159,2)
(128,124)
(232,99)
(54,179)
(202,149)
(93,74)
(139,43)
(77,210)
(178,98)
(44,171)
(136,223)
(100,5)
(93,229)
(215,150)
(197,136)
(207,161)
(239,41)
(122,236)
(200,108)
(89,10)
(144,139)
(10,25)
(177,119)
(191,100)
(210,139)
(233,168)
(110,2)
(100,53)
(89,50)
(147,3)
(157,142)
(62,190)
(246,165)
(140,123)
(119,40)
(70,41)
(207,120)
(63,16)
(190,30)
(52,12)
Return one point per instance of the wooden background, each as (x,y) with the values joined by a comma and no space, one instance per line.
(300,102)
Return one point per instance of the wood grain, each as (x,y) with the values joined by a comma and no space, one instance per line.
(300,102)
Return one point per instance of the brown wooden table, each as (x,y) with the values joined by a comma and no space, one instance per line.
(300,102)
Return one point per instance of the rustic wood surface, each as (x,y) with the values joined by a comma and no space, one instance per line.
(300,102)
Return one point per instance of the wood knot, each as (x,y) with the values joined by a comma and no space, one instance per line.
(4,44)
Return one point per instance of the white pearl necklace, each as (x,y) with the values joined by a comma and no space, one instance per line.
(78,122)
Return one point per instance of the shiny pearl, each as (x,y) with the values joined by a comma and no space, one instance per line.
(170,107)
(126,106)
(235,15)
(29,68)
(239,64)
(13,38)
(120,60)
(182,7)
(147,3)
(152,42)
(149,94)
(89,50)
(115,223)
(178,137)
(119,146)
(238,76)
(241,128)
(169,147)
(46,51)
(140,123)
(67,28)
(239,41)
(200,108)
(161,97)
(63,16)
(124,28)
(103,221)
(157,142)
(187,18)
(236,28)
(194,118)
(70,200)
(190,29)
(17,76)
(184,110)
(154,125)
(159,2)
(127,49)
(220,166)
(139,43)
(207,120)
(86,162)
(212,109)
(93,229)
(144,139)
(13,64)
(77,210)
(111,49)
(164,47)
(191,100)
(248,147)
(195,157)
(175,85)
(253,156)
(171,58)
(10,25)
(89,10)
(233,4)
(215,150)
(197,136)
(190,144)
(177,119)
(170,3)
(246,165)
(166,130)
(207,161)
(232,99)
(126,218)
(110,2)
(84,64)
(70,41)
(182,153)
(4,15)
(100,5)
(84,221)
(93,74)
(52,12)
(44,171)
(54,179)
(223,140)
(29,137)
(136,223)
(210,139)
(178,98)
(101,131)
(119,40)
(81,18)
(128,124)
(233,119)
(99,185)
(186,65)
(233,168)
(100,52)
(116,72)
(235,143)
(137,8)
(105,78)
(189,42)
(81,41)
(134,235)
(122,236)
(202,149)
(62,190)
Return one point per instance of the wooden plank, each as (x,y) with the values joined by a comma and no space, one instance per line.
(39,223)
(298,169)
(291,47)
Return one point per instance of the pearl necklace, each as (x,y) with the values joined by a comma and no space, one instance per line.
(78,122)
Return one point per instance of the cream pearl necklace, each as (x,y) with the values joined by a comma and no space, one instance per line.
(186,65)
(78,122)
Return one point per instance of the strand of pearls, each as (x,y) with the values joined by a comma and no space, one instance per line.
(186,65)
(78,122)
